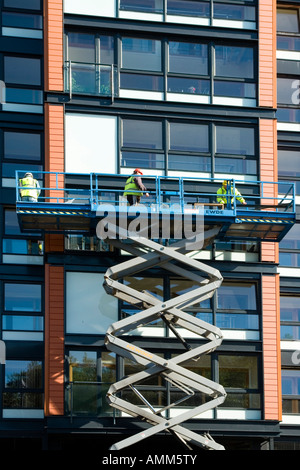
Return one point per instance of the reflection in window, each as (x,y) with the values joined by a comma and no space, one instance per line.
(142,134)
(236,296)
(22,297)
(290,391)
(288,20)
(189,137)
(239,376)
(89,383)
(189,58)
(234,61)
(23,382)
(22,70)
(145,6)
(227,11)
(289,317)
(28,5)
(141,54)
(235,140)
(22,145)
(188,8)
(288,91)
(288,163)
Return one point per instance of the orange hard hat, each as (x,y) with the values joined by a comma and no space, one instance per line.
(137,170)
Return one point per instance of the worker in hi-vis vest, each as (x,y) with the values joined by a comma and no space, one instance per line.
(133,188)
(29,188)
(223,194)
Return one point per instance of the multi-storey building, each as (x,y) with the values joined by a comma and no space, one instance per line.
(176,88)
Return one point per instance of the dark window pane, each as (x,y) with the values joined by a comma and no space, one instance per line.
(288,43)
(291,239)
(290,382)
(23,374)
(188,8)
(143,160)
(141,54)
(236,296)
(81,47)
(24,96)
(142,134)
(22,20)
(188,85)
(235,165)
(238,371)
(287,21)
(234,61)
(234,89)
(188,137)
(23,297)
(190,163)
(146,6)
(132,81)
(22,146)
(22,70)
(289,308)
(187,57)
(24,5)
(235,140)
(288,163)
(288,91)
(237,321)
(288,115)
(22,323)
(234,12)
(9,169)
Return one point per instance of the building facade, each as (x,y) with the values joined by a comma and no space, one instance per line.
(177,88)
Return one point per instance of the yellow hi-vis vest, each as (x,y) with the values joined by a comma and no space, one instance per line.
(29,183)
(223,199)
(131,187)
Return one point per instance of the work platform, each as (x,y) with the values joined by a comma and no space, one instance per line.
(75,203)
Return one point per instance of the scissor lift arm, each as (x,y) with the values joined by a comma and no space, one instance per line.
(147,254)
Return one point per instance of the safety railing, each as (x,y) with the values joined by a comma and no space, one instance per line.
(90,78)
(164,191)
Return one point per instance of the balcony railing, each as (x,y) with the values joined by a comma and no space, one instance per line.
(90,79)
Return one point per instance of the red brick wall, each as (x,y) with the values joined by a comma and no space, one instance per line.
(54,340)
(271,347)
(53,45)
(267,53)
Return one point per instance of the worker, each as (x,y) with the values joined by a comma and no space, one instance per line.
(133,188)
(223,193)
(29,188)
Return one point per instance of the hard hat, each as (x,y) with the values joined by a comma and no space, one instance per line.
(29,174)
(137,170)
(225,183)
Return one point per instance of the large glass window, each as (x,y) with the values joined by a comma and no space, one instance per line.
(23,385)
(239,376)
(289,317)
(141,54)
(22,297)
(22,70)
(290,391)
(89,378)
(289,248)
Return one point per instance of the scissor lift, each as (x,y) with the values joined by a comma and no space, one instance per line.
(264,219)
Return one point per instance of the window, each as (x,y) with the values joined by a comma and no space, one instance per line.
(145,6)
(142,144)
(288,164)
(289,248)
(17,248)
(89,64)
(90,377)
(22,297)
(289,317)
(239,376)
(290,391)
(27,24)
(84,292)
(28,5)
(23,82)
(23,388)
(288,20)
(164,70)
(22,146)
